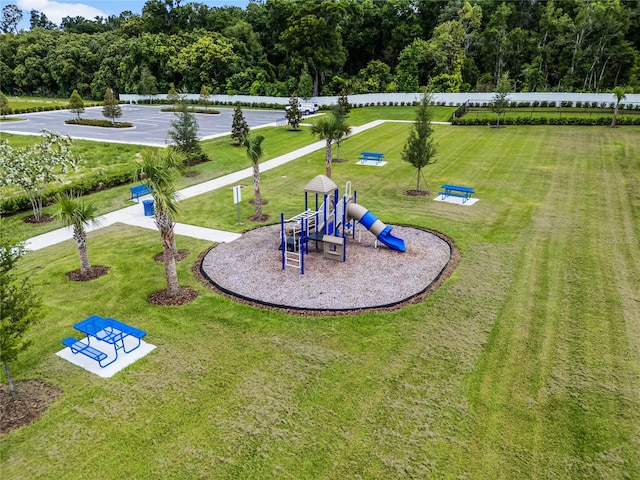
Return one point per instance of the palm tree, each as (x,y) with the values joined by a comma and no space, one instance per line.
(330,128)
(79,214)
(254,153)
(160,170)
(620,93)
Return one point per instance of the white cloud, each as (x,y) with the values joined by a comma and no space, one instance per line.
(56,11)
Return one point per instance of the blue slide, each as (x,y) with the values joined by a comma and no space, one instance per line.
(376,226)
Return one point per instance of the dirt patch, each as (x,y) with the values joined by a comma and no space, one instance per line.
(260,218)
(46,218)
(417,193)
(162,298)
(32,399)
(181,255)
(94,272)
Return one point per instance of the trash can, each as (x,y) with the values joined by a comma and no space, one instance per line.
(148,208)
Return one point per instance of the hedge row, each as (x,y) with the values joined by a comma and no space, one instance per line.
(43,108)
(562,104)
(193,110)
(85,185)
(547,121)
(98,123)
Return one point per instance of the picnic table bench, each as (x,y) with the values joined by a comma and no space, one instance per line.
(456,191)
(371,157)
(77,346)
(139,190)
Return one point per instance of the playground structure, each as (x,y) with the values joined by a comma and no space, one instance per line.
(329,223)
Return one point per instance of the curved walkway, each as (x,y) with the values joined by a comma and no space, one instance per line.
(134,215)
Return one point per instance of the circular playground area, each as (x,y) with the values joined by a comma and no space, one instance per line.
(373,277)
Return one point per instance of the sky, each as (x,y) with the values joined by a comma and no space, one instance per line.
(58,9)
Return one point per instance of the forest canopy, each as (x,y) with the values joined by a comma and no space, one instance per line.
(352,46)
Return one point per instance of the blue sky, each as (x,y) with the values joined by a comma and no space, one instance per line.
(56,10)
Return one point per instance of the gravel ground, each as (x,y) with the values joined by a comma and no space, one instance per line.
(250,270)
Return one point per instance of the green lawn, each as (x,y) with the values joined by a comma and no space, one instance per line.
(550,112)
(524,364)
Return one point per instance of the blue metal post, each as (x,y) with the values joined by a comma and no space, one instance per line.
(283,239)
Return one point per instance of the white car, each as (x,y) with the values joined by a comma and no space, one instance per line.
(306,107)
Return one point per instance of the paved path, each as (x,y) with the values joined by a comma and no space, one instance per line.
(134,215)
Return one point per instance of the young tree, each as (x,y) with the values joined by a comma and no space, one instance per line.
(76,105)
(420,148)
(4,105)
(239,126)
(160,170)
(172,94)
(33,168)
(501,98)
(343,104)
(111,107)
(293,113)
(148,83)
(305,83)
(184,133)
(254,153)
(79,214)
(18,305)
(205,96)
(342,128)
(330,128)
(620,94)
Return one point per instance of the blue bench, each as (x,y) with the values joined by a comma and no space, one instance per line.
(456,191)
(77,346)
(139,190)
(371,157)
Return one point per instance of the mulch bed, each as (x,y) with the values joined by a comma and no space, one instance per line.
(417,193)
(46,218)
(161,298)
(32,399)
(94,272)
(181,255)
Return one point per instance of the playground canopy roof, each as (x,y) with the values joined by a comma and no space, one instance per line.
(321,184)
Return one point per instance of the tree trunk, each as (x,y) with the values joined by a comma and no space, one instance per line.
(257,199)
(7,372)
(615,115)
(80,237)
(165,225)
(328,158)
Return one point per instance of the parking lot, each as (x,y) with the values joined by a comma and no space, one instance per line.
(150,124)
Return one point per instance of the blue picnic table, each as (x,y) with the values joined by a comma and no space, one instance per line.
(456,191)
(108,330)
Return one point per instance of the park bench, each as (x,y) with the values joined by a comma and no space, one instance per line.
(456,191)
(139,190)
(371,157)
(77,346)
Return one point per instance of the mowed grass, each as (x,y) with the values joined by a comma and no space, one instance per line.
(524,364)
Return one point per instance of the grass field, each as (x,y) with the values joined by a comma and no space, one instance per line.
(550,112)
(524,364)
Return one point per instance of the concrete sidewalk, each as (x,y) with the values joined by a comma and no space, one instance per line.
(134,215)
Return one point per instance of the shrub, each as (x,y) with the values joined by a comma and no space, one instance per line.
(98,123)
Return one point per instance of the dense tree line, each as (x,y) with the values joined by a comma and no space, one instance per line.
(276,47)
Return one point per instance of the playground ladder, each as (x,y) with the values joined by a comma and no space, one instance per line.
(293,259)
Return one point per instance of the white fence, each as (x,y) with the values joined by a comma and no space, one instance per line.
(453,99)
